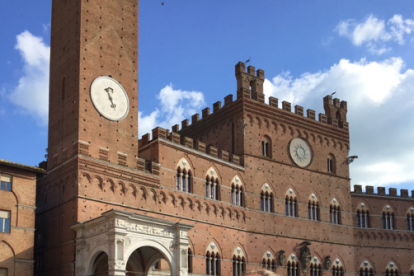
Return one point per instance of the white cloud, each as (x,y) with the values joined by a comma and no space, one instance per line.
(380,104)
(374,33)
(175,106)
(32,91)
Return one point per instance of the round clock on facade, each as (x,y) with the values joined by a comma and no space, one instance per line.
(109,98)
(301,152)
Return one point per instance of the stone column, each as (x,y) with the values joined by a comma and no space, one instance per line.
(214,190)
(116,261)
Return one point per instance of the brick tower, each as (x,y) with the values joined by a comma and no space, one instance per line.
(92,39)
(89,39)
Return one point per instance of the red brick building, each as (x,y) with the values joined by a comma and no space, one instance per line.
(243,186)
(17,217)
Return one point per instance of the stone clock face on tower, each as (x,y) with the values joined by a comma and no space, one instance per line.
(109,98)
(300,152)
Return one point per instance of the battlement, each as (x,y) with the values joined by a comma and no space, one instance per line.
(188,142)
(273,102)
(250,82)
(381,191)
(335,110)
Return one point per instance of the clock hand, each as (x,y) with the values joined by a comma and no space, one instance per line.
(110,98)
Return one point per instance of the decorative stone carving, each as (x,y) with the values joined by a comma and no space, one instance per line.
(305,257)
(328,262)
(282,258)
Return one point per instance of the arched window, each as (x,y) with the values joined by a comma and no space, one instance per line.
(266,202)
(315,268)
(362,216)
(239,262)
(337,268)
(212,263)
(313,208)
(410,219)
(212,184)
(365,269)
(237,192)
(293,268)
(184,178)
(331,164)
(388,218)
(239,266)
(269,262)
(266,147)
(266,199)
(391,270)
(252,89)
(213,260)
(291,204)
(337,271)
(190,260)
(335,212)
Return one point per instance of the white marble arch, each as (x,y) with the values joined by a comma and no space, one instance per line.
(120,233)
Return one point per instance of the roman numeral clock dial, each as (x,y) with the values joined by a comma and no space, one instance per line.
(109,98)
(300,152)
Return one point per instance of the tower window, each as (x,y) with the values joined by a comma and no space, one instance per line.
(331,164)
(266,147)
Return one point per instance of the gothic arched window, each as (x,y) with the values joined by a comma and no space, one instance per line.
(266,199)
(269,262)
(315,268)
(410,219)
(331,164)
(291,204)
(267,147)
(388,218)
(239,262)
(212,263)
(293,269)
(391,269)
(212,185)
(362,216)
(313,208)
(365,269)
(237,195)
(335,212)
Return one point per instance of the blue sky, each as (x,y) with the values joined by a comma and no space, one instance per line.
(188,49)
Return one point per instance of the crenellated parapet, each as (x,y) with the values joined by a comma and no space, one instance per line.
(250,86)
(335,111)
(381,191)
(250,82)
(175,137)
